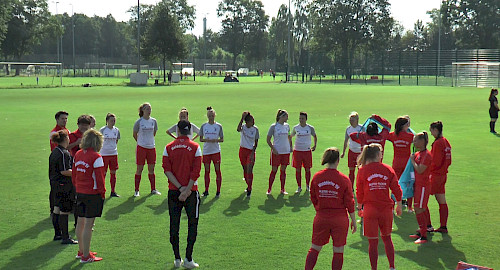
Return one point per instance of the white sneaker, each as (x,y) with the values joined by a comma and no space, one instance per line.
(284,192)
(190,264)
(136,193)
(155,192)
(178,263)
(299,190)
(268,192)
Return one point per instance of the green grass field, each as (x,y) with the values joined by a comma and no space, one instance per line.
(265,232)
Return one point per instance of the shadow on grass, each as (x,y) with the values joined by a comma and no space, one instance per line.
(37,258)
(237,206)
(271,205)
(206,204)
(298,201)
(30,233)
(161,208)
(124,208)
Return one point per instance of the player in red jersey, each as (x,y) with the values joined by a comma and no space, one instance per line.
(61,121)
(248,144)
(280,149)
(441,160)
(354,147)
(332,197)
(373,184)
(75,137)
(372,135)
(88,179)
(421,162)
(182,165)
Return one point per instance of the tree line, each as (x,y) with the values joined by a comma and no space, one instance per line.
(321,30)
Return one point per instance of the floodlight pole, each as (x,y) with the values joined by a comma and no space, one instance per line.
(73,31)
(439,38)
(57,37)
(138,38)
(289,45)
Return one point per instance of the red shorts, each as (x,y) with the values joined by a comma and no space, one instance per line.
(437,184)
(246,156)
(212,157)
(375,218)
(302,159)
(335,226)
(142,154)
(352,159)
(280,159)
(421,196)
(111,162)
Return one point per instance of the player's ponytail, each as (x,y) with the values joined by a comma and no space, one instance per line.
(369,154)
(400,122)
(331,156)
(423,136)
(280,114)
(109,115)
(58,136)
(439,126)
(248,117)
(141,108)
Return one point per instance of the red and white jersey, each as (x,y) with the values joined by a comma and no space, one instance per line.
(425,158)
(110,143)
(331,191)
(88,172)
(353,146)
(280,134)
(441,156)
(55,129)
(402,144)
(364,139)
(146,130)
(212,132)
(73,137)
(182,157)
(194,130)
(248,136)
(303,139)
(374,181)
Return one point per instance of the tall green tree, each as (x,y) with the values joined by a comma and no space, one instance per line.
(244,25)
(5,6)
(342,26)
(302,26)
(278,37)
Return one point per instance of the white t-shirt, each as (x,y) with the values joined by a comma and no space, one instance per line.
(280,133)
(146,132)
(303,140)
(354,146)
(211,131)
(194,130)
(111,137)
(248,136)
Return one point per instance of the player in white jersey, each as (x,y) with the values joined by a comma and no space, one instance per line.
(302,150)
(211,135)
(184,116)
(248,143)
(144,133)
(354,147)
(280,149)
(109,150)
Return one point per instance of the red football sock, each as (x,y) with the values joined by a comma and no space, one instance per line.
(443,214)
(373,252)
(298,176)
(282,179)
(272,175)
(351,177)
(137,181)
(250,180)
(112,181)
(152,180)
(410,203)
(312,257)
(218,179)
(308,179)
(337,261)
(428,217)
(422,224)
(207,180)
(389,249)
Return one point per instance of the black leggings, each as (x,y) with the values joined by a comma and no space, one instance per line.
(192,206)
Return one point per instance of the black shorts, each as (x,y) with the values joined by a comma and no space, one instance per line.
(63,196)
(89,205)
(494,113)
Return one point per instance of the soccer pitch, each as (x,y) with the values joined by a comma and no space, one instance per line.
(264,232)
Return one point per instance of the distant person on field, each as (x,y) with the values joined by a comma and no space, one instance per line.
(332,197)
(144,134)
(182,165)
(373,186)
(88,179)
(109,151)
(249,139)
(493,109)
(280,149)
(60,163)
(75,137)
(302,150)
(193,132)
(211,135)
(354,147)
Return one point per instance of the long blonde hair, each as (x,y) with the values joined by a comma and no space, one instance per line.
(370,153)
(92,139)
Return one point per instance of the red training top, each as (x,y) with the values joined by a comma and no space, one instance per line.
(373,183)
(55,129)
(423,157)
(364,139)
(88,172)
(441,156)
(73,137)
(331,191)
(182,157)
(402,144)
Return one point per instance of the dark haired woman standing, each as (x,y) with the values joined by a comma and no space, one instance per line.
(280,149)
(493,109)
